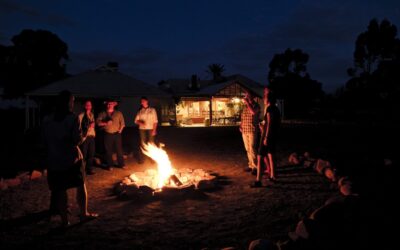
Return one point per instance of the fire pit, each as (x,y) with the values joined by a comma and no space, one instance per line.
(165,180)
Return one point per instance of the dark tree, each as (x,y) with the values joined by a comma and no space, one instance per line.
(374,86)
(290,62)
(289,79)
(216,71)
(375,45)
(34,60)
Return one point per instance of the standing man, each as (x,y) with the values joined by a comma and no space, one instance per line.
(146,119)
(62,135)
(112,121)
(87,125)
(250,131)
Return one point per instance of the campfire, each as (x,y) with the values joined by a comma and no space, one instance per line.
(164,179)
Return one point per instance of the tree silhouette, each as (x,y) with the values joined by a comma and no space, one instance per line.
(289,79)
(34,59)
(290,62)
(216,70)
(373,46)
(374,86)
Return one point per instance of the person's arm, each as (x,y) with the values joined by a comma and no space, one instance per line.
(138,121)
(254,109)
(267,127)
(155,123)
(121,123)
(76,132)
(100,121)
(80,118)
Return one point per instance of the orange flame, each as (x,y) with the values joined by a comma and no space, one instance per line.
(160,156)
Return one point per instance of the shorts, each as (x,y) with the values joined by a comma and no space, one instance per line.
(66,179)
(270,148)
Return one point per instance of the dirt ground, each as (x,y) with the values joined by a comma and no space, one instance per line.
(230,216)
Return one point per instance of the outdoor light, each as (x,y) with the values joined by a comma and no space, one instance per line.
(236,100)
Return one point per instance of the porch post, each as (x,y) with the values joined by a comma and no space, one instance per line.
(210,110)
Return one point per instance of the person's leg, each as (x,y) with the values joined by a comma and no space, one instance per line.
(267,166)
(259,167)
(246,142)
(61,199)
(150,138)
(53,204)
(82,200)
(258,182)
(84,149)
(271,162)
(252,144)
(142,137)
(120,154)
(108,145)
(91,153)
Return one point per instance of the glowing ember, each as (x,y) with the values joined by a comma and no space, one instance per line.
(163,163)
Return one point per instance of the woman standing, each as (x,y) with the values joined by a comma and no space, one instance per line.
(269,138)
(88,146)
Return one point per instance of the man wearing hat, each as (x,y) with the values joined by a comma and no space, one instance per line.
(112,122)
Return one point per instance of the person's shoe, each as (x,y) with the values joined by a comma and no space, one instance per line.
(108,168)
(88,217)
(254,171)
(90,172)
(256,184)
(247,169)
(122,166)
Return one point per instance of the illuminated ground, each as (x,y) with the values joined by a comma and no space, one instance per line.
(231,216)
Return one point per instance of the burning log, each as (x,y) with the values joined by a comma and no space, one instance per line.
(175,180)
(165,181)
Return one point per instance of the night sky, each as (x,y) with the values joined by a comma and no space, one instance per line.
(156,40)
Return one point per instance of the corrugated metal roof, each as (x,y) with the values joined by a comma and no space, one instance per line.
(100,83)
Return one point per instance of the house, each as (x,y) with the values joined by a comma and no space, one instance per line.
(205,103)
(99,84)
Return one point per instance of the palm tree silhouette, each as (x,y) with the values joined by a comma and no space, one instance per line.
(216,70)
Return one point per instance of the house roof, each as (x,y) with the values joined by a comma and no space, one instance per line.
(100,83)
(180,87)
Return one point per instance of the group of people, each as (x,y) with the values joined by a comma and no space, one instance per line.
(260,138)
(70,145)
(112,123)
(70,142)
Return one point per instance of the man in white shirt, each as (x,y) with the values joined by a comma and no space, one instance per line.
(146,119)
